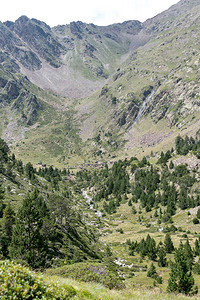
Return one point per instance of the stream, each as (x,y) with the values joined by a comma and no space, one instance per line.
(89,202)
(119,261)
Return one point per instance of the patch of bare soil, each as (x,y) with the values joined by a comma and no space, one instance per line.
(13,132)
(86,131)
(149,139)
(86,116)
(64,81)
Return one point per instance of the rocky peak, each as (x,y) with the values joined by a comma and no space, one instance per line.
(39,37)
(76,29)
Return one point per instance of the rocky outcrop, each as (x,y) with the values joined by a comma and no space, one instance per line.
(39,37)
(13,45)
(15,96)
(28,105)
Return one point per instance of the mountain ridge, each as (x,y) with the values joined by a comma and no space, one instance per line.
(108,74)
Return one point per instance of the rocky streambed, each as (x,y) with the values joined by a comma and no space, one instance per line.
(89,201)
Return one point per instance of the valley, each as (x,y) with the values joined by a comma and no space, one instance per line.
(100,158)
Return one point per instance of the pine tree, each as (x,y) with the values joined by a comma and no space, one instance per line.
(29,171)
(8,221)
(196,248)
(198,213)
(162,261)
(2,204)
(181,279)
(151,249)
(156,213)
(171,164)
(189,254)
(28,243)
(130,203)
(169,247)
(152,271)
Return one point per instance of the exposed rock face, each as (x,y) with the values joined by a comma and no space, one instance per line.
(127,64)
(12,89)
(39,37)
(36,48)
(75,28)
(14,47)
(28,105)
(3,82)
(14,95)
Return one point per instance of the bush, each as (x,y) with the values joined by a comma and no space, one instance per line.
(120,230)
(18,282)
(196,268)
(195,221)
(91,272)
(198,213)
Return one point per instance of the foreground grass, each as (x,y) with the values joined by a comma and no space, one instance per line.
(99,292)
(18,282)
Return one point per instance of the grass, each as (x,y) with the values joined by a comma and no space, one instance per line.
(98,292)
(135,231)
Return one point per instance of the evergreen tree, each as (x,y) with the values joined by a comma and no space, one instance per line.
(7,222)
(189,254)
(196,248)
(130,203)
(171,164)
(169,247)
(29,171)
(162,261)
(181,279)
(29,243)
(2,205)
(151,249)
(4,150)
(134,211)
(152,271)
(153,274)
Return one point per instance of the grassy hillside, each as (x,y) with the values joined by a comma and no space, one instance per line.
(138,200)
(164,73)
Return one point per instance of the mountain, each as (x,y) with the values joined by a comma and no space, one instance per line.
(158,84)
(81,93)
(100,171)
(72,60)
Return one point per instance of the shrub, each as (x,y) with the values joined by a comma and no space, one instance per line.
(18,282)
(198,213)
(196,268)
(120,230)
(91,272)
(195,221)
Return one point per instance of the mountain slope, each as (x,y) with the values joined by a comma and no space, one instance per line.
(71,60)
(142,82)
(160,80)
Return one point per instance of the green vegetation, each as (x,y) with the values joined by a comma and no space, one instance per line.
(49,229)
(89,198)
(91,272)
(183,146)
(181,279)
(44,228)
(17,282)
